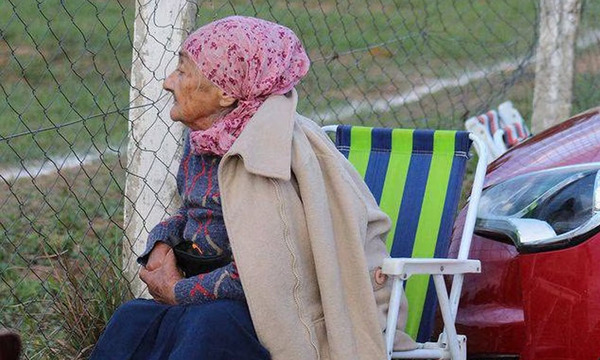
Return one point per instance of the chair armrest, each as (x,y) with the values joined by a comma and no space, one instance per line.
(405,267)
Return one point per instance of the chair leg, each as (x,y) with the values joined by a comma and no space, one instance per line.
(452,340)
(392,317)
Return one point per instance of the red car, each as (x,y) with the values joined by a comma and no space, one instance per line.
(538,239)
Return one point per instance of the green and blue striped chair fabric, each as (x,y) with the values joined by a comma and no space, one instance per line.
(416,178)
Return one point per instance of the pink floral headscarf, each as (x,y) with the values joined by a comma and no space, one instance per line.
(249,59)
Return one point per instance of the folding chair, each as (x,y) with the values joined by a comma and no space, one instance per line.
(499,130)
(513,125)
(487,127)
(416,177)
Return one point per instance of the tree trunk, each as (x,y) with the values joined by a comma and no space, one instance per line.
(552,95)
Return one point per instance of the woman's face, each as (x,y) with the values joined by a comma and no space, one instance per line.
(197,103)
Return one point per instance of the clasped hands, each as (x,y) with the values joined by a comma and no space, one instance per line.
(161,274)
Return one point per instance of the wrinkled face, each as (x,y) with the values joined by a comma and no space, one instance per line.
(197,103)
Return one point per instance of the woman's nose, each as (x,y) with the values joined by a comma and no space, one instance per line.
(168,83)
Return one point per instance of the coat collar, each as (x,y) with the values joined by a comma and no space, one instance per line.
(265,144)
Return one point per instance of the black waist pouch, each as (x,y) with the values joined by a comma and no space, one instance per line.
(192,263)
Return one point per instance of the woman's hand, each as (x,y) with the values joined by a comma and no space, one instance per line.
(157,255)
(162,279)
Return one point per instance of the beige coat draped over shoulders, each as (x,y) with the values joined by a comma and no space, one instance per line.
(306,235)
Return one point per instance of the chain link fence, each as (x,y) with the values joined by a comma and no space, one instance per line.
(64,128)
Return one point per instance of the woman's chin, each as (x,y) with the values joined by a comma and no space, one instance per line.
(175,115)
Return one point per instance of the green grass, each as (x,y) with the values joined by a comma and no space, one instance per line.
(62,63)
(364,49)
(60,276)
(68,62)
(587,78)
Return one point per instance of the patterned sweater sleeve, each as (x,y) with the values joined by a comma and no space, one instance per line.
(169,231)
(222,283)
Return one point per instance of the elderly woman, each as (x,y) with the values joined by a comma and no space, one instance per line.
(275,251)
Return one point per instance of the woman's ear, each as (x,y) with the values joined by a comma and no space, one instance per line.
(225,100)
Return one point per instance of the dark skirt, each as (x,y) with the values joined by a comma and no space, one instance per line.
(145,329)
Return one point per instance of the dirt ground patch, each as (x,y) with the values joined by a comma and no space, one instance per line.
(588,63)
(7,53)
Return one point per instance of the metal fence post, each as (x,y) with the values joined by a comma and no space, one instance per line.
(555,59)
(152,155)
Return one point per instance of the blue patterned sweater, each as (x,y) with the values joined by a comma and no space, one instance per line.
(200,220)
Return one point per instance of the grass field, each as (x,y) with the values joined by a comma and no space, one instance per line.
(66,64)
(59,264)
(64,69)
(363,50)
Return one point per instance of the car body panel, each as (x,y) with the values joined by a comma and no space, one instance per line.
(491,306)
(561,298)
(544,305)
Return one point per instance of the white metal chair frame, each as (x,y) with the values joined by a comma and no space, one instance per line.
(450,345)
